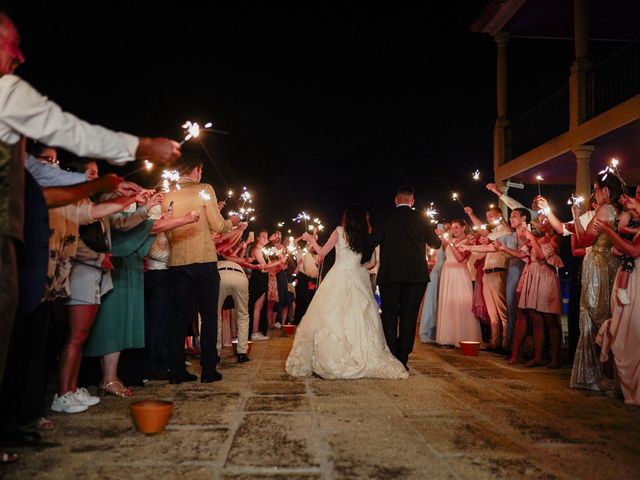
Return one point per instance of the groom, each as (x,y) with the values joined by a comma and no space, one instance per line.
(403,273)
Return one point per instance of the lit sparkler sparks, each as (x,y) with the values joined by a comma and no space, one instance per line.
(539,179)
(204,195)
(476,175)
(302,216)
(270,251)
(170,177)
(431,213)
(280,224)
(612,168)
(456,198)
(575,200)
(147,165)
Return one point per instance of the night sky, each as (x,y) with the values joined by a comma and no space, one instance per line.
(326,104)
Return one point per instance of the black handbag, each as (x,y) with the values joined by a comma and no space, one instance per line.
(94,236)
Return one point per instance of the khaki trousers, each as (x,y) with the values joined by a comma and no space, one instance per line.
(236,284)
(494,292)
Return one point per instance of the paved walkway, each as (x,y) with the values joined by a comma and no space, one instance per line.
(455,417)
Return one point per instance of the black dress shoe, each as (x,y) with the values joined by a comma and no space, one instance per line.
(182,377)
(243,357)
(17,436)
(159,375)
(210,377)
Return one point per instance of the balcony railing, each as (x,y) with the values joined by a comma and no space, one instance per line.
(540,124)
(614,80)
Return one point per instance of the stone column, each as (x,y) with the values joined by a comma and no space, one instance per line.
(501,129)
(578,93)
(583,176)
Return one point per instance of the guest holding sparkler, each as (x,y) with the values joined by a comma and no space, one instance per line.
(598,270)
(456,321)
(495,277)
(540,300)
(307,279)
(619,335)
(192,263)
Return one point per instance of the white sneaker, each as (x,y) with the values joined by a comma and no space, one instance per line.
(83,396)
(623,296)
(67,403)
(278,325)
(259,336)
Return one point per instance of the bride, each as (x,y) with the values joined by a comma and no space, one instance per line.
(341,336)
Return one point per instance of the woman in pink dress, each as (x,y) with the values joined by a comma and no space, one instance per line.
(456,320)
(620,335)
(540,300)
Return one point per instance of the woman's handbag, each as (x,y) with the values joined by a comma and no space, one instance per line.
(94,236)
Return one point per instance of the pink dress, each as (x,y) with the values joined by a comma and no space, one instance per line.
(456,320)
(620,335)
(539,285)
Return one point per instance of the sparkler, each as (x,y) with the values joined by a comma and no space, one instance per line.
(539,179)
(147,165)
(302,216)
(575,200)
(476,175)
(204,195)
(431,214)
(454,197)
(280,224)
(612,168)
(170,177)
(270,252)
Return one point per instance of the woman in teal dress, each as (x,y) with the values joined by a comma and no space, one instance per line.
(120,321)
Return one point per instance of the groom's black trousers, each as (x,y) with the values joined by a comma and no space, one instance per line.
(400,305)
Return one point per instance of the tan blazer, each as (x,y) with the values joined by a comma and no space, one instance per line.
(193,243)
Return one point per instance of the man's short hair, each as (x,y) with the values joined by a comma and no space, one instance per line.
(525,213)
(495,210)
(406,190)
(187,163)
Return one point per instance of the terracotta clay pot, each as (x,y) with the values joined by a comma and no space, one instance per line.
(469,348)
(151,416)
(288,329)
(234,343)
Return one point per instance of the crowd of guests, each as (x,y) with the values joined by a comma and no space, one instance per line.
(96,267)
(496,283)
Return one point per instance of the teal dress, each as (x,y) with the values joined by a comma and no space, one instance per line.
(120,321)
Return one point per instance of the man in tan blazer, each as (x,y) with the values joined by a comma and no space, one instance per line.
(193,267)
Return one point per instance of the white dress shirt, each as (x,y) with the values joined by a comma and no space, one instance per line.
(25,112)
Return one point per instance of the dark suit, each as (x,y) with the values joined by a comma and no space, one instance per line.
(403,275)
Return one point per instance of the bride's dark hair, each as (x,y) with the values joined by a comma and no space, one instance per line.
(355,221)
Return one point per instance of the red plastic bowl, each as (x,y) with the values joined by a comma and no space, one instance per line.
(469,348)
(289,329)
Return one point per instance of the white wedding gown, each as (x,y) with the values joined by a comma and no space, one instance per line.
(340,336)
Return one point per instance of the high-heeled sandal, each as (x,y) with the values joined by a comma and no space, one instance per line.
(104,390)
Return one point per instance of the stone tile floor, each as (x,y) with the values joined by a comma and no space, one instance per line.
(455,417)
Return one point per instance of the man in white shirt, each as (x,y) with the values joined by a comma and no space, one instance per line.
(26,113)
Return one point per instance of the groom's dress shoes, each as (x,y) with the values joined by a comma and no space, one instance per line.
(210,377)
(181,377)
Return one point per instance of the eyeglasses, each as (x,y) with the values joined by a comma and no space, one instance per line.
(49,159)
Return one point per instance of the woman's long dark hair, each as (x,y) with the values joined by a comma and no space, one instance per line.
(615,186)
(355,221)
